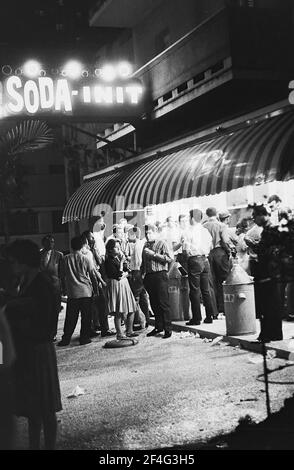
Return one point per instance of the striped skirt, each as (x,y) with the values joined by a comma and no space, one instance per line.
(120,298)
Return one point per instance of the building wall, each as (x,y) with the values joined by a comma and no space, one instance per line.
(162,27)
(40,212)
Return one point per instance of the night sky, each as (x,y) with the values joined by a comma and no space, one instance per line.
(49,29)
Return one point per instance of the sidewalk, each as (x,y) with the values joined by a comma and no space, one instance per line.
(282,348)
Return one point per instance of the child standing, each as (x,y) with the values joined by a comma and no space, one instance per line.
(121,301)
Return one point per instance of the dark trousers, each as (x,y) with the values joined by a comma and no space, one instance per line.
(139,292)
(199,283)
(99,312)
(156,285)
(74,307)
(57,304)
(220,268)
(270,310)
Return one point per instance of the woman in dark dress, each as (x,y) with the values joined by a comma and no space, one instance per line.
(30,316)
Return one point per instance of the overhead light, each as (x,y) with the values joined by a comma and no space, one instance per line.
(73,69)
(32,68)
(6,70)
(124,69)
(108,73)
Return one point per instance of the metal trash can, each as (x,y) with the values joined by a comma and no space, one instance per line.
(239,302)
(174,293)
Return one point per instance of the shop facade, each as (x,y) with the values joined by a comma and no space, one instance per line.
(217,129)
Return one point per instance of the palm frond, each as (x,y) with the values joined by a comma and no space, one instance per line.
(27,136)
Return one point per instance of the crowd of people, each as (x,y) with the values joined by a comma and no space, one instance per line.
(125,276)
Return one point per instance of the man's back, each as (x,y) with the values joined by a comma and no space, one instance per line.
(77,269)
(218,232)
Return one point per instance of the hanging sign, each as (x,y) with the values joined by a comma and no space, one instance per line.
(291,94)
(62,97)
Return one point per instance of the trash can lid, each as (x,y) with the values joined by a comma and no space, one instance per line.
(238,275)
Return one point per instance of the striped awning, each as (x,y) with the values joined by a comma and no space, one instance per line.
(257,153)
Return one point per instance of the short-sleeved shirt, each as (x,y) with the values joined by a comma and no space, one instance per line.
(197,241)
(218,232)
(77,271)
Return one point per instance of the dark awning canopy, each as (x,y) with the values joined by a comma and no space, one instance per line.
(257,153)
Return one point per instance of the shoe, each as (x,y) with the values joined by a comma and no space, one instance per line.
(154,332)
(94,334)
(85,341)
(208,320)
(108,333)
(191,322)
(138,328)
(167,334)
(132,335)
(290,317)
(215,317)
(63,343)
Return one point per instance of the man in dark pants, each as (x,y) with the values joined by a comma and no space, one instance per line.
(268,299)
(99,310)
(219,256)
(51,261)
(196,245)
(155,263)
(80,284)
(134,255)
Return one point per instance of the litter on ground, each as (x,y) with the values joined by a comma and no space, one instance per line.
(271,354)
(76,392)
(255,359)
(186,334)
(217,340)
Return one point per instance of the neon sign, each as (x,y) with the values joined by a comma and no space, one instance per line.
(86,98)
(291,94)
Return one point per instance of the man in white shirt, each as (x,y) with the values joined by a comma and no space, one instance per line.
(170,234)
(99,236)
(197,244)
(274,205)
(219,256)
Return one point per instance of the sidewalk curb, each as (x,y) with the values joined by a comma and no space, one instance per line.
(244,343)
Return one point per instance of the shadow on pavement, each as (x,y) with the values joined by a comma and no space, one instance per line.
(274,433)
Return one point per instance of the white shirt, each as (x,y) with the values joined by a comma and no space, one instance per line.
(170,235)
(135,250)
(197,241)
(100,246)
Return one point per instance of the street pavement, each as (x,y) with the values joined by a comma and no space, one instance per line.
(161,393)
